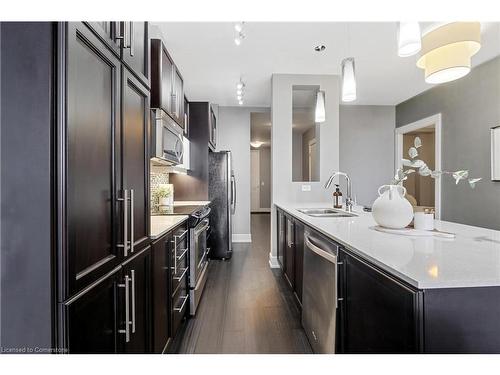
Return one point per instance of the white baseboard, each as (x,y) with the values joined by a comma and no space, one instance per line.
(242,237)
(273,261)
(259,210)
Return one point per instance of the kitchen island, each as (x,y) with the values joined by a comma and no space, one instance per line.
(399,293)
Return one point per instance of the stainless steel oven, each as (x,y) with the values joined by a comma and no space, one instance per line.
(167,146)
(198,258)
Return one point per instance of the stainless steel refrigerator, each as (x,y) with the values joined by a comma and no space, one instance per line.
(222,193)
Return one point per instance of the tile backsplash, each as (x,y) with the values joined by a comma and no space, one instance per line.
(158,176)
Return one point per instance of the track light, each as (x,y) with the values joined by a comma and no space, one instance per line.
(239,38)
(239,26)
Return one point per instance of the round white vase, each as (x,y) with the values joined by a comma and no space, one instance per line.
(391,209)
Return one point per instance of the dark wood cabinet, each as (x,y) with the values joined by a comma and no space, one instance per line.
(290,251)
(161,294)
(167,84)
(281,239)
(137,272)
(135,51)
(298,260)
(93,121)
(91,317)
(212,143)
(109,32)
(378,312)
(135,155)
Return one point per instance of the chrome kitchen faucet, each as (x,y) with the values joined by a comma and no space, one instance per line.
(348,200)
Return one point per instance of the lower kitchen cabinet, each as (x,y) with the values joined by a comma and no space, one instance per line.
(91,317)
(289,255)
(378,314)
(280,217)
(136,312)
(298,260)
(111,315)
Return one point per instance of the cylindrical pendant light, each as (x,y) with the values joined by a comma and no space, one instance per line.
(319,113)
(409,38)
(348,80)
(447,51)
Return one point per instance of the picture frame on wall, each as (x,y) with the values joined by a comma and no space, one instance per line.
(495,153)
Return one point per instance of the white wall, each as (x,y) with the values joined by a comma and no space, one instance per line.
(367,148)
(233,128)
(283,189)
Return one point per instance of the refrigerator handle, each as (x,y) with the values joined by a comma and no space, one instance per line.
(233,194)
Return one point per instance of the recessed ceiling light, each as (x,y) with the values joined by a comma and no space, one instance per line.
(319,48)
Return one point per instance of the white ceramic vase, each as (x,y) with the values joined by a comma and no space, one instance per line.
(391,209)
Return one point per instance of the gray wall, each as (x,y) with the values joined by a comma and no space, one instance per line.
(367,149)
(283,189)
(469,106)
(265,177)
(233,125)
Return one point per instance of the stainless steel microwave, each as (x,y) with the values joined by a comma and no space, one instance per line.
(167,146)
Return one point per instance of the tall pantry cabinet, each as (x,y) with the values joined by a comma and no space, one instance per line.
(104,258)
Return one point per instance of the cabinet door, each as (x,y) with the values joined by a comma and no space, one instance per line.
(135,157)
(162,70)
(290,251)
(109,33)
(137,273)
(298,259)
(136,49)
(212,130)
(93,117)
(90,317)
(178,98)
(161,294)
(379,312)
(281,239)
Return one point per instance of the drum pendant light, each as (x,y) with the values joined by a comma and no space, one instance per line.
(447,51)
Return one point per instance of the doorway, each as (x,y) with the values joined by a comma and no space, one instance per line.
(422,191)
(260,162)
(254,180)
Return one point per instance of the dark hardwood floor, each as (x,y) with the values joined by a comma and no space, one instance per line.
(246,306)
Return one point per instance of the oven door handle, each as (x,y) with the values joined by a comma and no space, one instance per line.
(203,228)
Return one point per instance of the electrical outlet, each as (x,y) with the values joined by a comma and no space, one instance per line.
(306,187)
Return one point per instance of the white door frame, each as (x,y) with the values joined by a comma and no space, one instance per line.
(398,154)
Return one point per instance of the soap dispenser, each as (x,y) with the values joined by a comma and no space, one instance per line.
(337,197)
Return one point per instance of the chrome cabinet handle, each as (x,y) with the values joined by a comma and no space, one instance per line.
(117,27)
(182,254)
(175,256)
(131,220)
(179,278)
(133,300)
(179,309)
(125,222)
(132,39)
(181,236)
(126,331)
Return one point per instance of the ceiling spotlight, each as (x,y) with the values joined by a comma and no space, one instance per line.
(239,92)
(239,26)
(239,97)
(240,102)
(320,48)
(239,86)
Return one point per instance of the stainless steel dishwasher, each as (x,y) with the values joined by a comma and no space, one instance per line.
(319,299)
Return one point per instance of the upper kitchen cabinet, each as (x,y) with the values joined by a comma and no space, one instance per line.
(135,157)
(109,32)
(92,74)
(212,130)
(167,85)
(135,52)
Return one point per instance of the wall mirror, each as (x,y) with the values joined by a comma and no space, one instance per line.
(495,153)
(305,135)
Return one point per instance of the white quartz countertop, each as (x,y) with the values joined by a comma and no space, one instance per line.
(471,259)
(191,203)
(162,224)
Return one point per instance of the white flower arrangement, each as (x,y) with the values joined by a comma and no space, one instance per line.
(414,165)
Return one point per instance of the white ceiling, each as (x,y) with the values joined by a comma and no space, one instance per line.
(212,64)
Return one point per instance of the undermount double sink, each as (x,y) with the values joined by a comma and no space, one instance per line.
(325,212)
